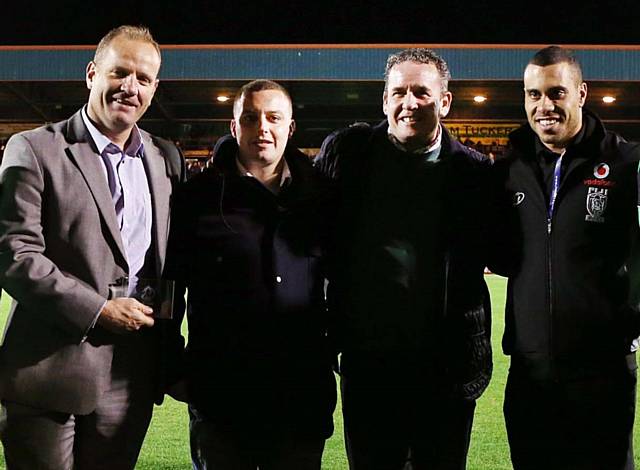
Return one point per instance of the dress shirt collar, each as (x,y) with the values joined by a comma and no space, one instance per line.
(135,148)
(285,178)
(429,150)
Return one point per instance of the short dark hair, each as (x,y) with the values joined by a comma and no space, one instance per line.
(135,33)
(552,55)
(419,55)
(260,85)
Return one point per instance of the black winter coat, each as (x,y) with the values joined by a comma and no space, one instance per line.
(257,358)
(409,248)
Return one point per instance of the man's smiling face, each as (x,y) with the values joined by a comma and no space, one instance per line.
(414,102)
(122,83)
(262,125)
(553,100)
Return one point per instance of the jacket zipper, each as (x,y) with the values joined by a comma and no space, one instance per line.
(550,294)
(553,210)
(445,302)
(446,285)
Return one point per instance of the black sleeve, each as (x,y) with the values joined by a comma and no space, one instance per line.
(343,147)
(176,268)
(504,239)
(632,322)
(174,160)
(326,160)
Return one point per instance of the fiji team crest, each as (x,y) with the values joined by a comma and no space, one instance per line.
(596,204)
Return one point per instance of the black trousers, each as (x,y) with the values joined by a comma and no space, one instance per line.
(584,423)
(215,448)
(396,421)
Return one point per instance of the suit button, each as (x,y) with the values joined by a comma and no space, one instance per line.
(278,279)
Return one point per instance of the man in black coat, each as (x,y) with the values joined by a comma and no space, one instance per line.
(571,190)
(409,304)
(247,241)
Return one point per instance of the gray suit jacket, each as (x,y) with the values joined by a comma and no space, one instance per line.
(60,249)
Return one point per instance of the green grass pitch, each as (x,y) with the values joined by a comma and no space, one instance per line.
(167,443)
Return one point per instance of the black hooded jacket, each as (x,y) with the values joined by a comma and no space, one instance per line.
(257,358)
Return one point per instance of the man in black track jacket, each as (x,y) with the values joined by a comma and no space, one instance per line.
(572,191)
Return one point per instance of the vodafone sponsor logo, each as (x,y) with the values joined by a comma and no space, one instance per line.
(601,171)
(599,183)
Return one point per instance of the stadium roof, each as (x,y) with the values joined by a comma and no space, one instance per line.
(331,85)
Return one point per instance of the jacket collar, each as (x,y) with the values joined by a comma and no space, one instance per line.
(524,138)
(226,149)
(302,172)
(448,145)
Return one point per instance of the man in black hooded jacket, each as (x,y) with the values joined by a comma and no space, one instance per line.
(247,241)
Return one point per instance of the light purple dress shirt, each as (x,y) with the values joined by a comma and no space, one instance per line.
(125,174)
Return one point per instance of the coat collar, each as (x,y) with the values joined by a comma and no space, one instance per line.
(449,145)
(303,176)
(523,139)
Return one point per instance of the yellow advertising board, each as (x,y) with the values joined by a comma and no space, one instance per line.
(484,133)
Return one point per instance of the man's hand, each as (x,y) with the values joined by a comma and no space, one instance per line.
(122,315)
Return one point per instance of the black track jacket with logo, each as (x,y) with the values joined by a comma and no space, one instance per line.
(568,309)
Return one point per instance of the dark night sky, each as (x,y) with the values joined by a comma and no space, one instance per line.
(326,21)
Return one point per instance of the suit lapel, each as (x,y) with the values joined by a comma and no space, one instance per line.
(160,189)
(82,152)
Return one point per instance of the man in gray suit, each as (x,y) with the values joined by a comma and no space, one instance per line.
(83,213)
